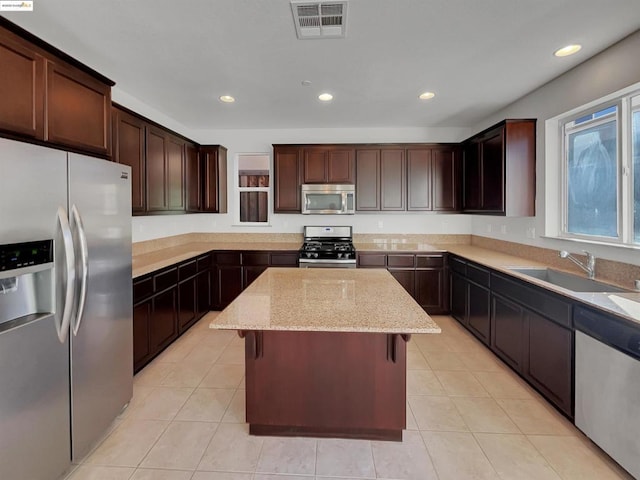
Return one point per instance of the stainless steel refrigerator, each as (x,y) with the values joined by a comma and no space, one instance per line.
(66,343)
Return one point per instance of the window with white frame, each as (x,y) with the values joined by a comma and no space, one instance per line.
(253,188)
(601,173)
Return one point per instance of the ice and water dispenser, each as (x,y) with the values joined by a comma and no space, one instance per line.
(26,282)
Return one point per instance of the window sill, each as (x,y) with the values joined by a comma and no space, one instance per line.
(251,224)
(624,246)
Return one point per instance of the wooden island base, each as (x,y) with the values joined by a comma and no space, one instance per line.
(326,384)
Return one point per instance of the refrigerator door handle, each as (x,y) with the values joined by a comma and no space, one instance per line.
(70,287)
(76,219)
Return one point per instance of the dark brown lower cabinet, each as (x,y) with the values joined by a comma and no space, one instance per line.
(423,275)
(141,338)
(326,384)
(203,289)
(188,306)
(479,312)
(508,331)
(431,290)
(459,298)
(549,363)
(470,298)
(250,273)
(229,284)
(164,319)
(406,278)
(526,326)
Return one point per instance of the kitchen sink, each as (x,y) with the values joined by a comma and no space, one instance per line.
(567,280)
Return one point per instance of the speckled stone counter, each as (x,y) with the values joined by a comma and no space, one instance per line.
(398,247)
(150,262)
(328,300)
(628,307)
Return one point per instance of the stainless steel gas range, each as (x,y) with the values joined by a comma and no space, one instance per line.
(327,247)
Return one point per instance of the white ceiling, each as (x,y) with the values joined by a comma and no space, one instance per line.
(477,55)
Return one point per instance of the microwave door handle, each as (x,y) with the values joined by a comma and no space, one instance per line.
(345,198)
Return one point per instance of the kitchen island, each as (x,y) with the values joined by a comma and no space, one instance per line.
(325,351)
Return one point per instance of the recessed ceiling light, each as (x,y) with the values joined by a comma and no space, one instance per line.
(568,50)
(426,95)
(325,97)
(227,99)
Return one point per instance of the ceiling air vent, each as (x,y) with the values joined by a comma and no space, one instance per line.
(324,19)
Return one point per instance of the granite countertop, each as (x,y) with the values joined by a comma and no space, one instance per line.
(624,304)
(397,247)
(151,262)
(327,300)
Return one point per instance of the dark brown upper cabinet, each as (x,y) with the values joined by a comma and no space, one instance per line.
(287,175)
(175,173)
(165,171)
(368,180)
(21,87)
(433,178)
(193,178)
(129,149)
(48,97)
(214,178)
(388,177)
(156,168)
(78,109)
(326,164)
(445,178)
(381,179)
(499,170)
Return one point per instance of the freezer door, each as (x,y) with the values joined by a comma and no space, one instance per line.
(34,373)
(34,402)
(102,338)
(33,184)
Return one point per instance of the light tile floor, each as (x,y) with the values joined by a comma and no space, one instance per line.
(468,417)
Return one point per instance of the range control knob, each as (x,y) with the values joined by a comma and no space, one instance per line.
(339,255)
(315,255)
(308,254)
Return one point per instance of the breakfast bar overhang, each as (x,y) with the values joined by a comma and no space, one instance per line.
(325,351)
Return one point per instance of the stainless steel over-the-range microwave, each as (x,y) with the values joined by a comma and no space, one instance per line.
(328,199)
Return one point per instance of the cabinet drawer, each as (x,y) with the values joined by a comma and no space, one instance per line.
(430,261)
(400,260)
(187,270)
(204,262)
(281,259)
(458,266)
(228,258)
(142,288)
(372,260)
(255,258)
(549,305)
(165,279)
(478,275)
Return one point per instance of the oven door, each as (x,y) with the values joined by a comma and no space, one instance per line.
(324,263)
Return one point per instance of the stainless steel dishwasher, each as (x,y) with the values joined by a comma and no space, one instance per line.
(607,385)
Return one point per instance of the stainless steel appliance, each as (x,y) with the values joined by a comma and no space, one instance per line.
(328,199)
(607,385)
(327,247)
(65,306)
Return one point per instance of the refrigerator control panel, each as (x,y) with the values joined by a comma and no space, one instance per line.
(27,254)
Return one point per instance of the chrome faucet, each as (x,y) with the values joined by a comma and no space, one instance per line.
(589,267)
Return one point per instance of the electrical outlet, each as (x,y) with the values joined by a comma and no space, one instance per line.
(531,232)
(380,224)
(503,229)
